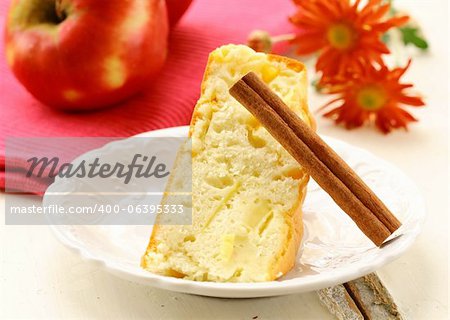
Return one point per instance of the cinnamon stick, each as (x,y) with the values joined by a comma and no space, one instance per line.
(327,155)
(313,154)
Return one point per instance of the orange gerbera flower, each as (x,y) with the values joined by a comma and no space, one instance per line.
(373,95)
(348,37)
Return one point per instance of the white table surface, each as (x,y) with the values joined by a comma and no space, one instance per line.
(39,278)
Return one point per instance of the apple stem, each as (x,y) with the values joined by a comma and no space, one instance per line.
(283,37)
(60,10)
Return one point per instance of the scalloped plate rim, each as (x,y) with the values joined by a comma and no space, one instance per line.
(249,290)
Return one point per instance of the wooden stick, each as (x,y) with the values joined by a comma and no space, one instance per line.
(295,145)
(339,303)
(363,298)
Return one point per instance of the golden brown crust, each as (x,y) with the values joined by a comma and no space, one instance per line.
(290,63)
(196,113)
(286,260)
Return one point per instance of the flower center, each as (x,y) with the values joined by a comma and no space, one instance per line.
(340,36)
(371,98)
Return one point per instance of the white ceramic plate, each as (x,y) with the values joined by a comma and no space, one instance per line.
(333,250)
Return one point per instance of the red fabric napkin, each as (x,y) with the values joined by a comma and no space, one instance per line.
(165,103)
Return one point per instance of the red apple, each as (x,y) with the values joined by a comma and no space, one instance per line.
(85,54)
(176,9)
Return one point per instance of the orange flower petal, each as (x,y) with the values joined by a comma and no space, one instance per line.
(308,43)
(377,14)
(412,101)
(393,22)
